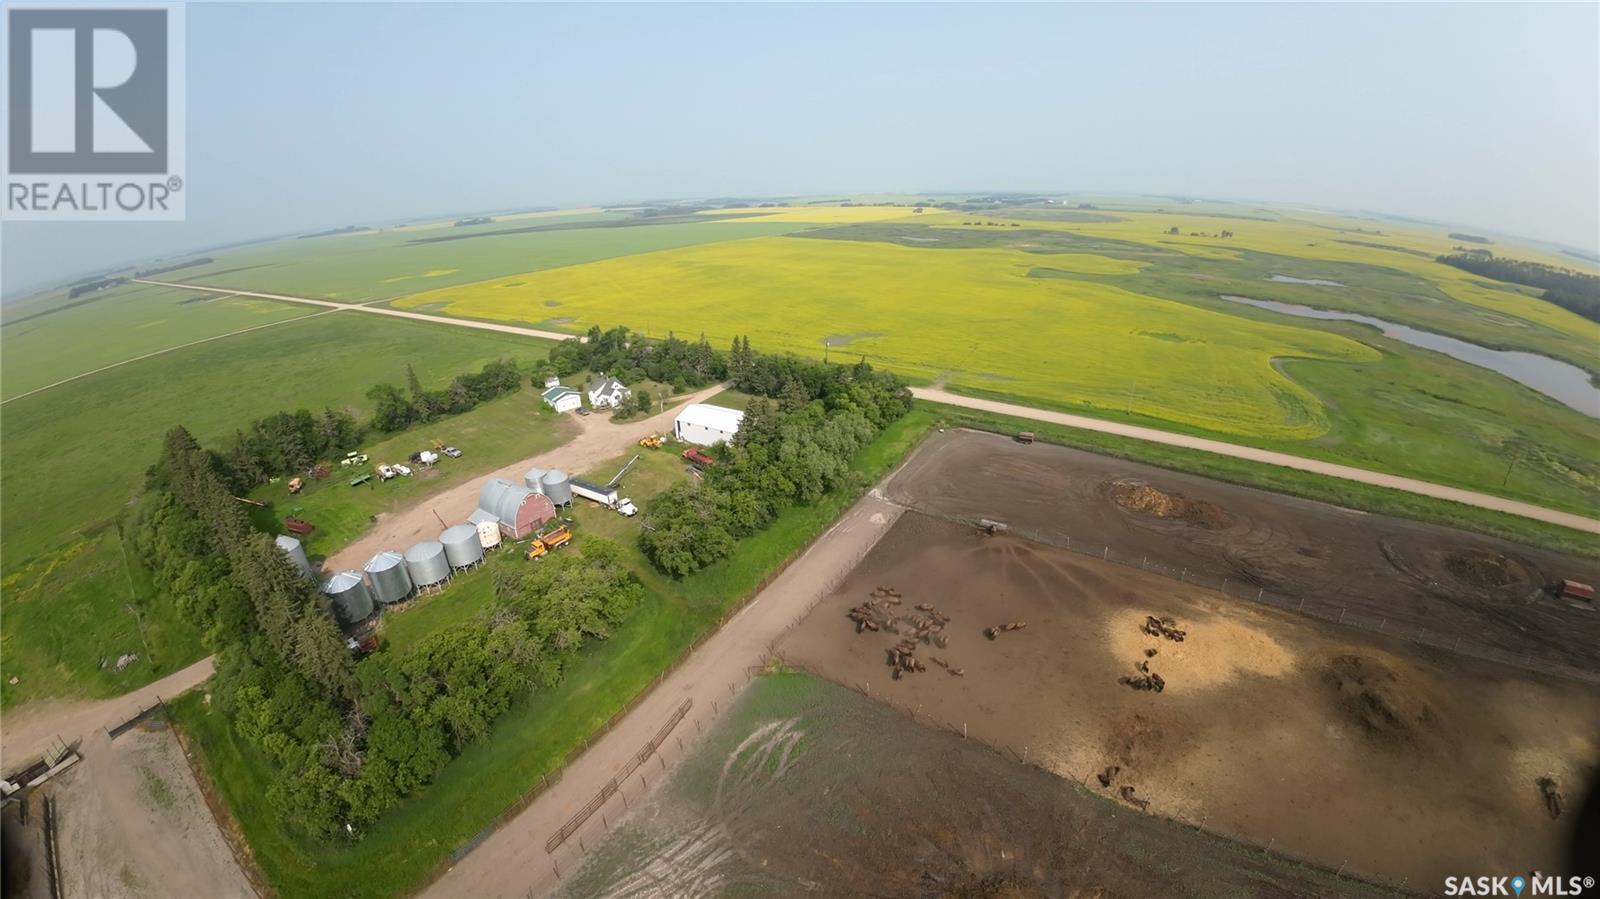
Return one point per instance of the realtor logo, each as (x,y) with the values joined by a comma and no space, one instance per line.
(95,112)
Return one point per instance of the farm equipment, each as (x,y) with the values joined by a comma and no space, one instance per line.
(295,485)
(698,459)
(1024,437)
(557,538)
(385,473)
(545,543)
(1570,589)
(360,479)
(652,441)
(438,445)
(353,458)
(298,526)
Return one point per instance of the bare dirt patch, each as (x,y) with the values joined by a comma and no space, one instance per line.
(1338,745)
(1137,496)
(805,788)
(133,823)
(1381,571)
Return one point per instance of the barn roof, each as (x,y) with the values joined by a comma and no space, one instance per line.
(705,415)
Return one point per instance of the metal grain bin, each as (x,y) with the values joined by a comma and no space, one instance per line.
(556,485)
(462,547)
(426,564)
(386,571)
(297,554)
(352,601)
(534,480)
(488,533)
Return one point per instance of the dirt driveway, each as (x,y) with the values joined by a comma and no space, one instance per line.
(132,823)
(599,440)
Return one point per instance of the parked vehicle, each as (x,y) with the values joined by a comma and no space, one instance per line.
(295,485)
(385,473)
(626,507)
(698,459)
(452,452)
(401,470)
(298,526)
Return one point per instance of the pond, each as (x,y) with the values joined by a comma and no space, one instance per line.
(1561,381)
(1314,282)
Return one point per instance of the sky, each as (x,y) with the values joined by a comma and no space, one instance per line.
(306,116)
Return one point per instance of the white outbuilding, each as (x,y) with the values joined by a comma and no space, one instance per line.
(706,425)
(562,399)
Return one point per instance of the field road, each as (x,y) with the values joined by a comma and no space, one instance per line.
(27,733)
(934,394)
(375,310)
(1268,457)
(598,440)
(512,862)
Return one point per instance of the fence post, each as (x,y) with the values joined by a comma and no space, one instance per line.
(1107,553)
(1259,591)
(1381,625)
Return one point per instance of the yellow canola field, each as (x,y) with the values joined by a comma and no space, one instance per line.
(966,316)
(1322,238)
(821,215)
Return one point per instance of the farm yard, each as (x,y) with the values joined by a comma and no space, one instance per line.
(1207,707)
(1099,312)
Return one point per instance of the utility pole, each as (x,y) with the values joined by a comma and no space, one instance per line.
(1509,466)
(1131,388)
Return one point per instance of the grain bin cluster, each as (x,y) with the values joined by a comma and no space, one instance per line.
(506,511)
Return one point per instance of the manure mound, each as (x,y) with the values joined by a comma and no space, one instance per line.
(1374,698)
(1483,569)
(1137,496)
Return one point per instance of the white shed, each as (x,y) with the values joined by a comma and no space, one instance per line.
(562,399)
(706,425)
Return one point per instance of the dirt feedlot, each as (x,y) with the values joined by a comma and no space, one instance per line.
(1399,574)
(1336,744)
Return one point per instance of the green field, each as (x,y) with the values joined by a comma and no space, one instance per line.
(121,323)
(412,842)
(76,455)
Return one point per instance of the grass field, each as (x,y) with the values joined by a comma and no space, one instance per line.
(76,455)
(120,324)
(537,735)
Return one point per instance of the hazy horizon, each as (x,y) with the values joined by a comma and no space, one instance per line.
(1484,116)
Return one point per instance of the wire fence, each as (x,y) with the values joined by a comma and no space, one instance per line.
(1337,613)
(616,782)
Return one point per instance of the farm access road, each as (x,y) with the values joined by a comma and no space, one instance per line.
(28,731)
(512,861)
(1153,435)
(1267,457)
(364,307)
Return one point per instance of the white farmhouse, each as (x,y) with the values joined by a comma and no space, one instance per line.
(706,425)
(607,393)
(562,399)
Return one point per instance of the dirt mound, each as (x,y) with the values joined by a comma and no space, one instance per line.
(1374,698)
(1488,570)
(1137,496)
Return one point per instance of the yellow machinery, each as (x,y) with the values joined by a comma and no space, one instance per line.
(542,544)
(653,441)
